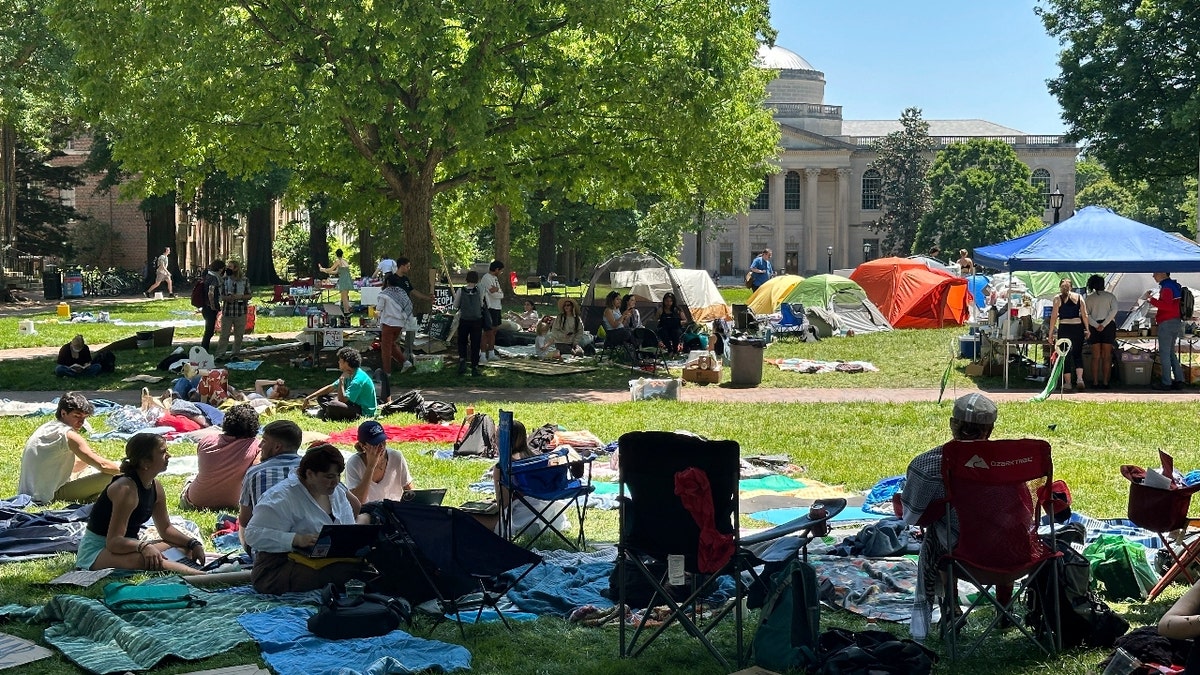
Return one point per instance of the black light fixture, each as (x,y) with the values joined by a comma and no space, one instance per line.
(830,249)
(866,251)
(1055,201)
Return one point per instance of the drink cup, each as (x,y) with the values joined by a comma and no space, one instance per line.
(1122,663)
(355,589)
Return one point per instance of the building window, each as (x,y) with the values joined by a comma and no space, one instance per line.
(763,201)
(791,191)
(1041,180)
(67,197)
(871,181)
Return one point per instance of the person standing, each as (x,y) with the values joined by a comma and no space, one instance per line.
(213,286)
(235,298)
(394,309)
(1170,329)
(471,305)
(385,267)
(1070,316)
(162,273)
(493,294)
(1102,315)
(75,360)
(403,265)
(761,269)
(966,266)
(341,269)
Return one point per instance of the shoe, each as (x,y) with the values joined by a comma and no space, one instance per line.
(408,365)
(1159,386)
(462,367)
(475,372)
(146,293)
(492,355)
(170,295)
(482,358)
(1177,386)
(1079,386)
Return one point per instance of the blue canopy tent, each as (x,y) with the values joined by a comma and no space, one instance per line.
(1094,239)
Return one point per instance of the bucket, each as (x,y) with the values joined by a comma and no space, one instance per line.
(145,339)
(25,327)
(64,310)
(968,347)
(158,295)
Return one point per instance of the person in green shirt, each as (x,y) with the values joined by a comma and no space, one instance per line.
(350,396)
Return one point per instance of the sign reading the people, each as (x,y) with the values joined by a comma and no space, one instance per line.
(443,296)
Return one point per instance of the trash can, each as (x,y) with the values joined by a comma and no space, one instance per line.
(52,286)
(73,283)
(747,356)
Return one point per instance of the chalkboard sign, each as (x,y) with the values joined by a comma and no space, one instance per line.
(437,326)
(443,296)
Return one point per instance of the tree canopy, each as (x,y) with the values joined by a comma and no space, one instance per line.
(1130,82)
(393,104)
(903,163)
(981,195)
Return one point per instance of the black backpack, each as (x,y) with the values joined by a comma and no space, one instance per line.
(872,652)
(470,304)
(476,437)
(340,618)
(1084,618)
(436,411)
(409,402)
(106,359)
(790,620)
(1187,303)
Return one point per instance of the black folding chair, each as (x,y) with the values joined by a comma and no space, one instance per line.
(448,546)
(662,497)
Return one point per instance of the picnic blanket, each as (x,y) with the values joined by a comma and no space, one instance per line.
(813,366)
(879,588)
(26,535)
(427,433)
(288,647)
(541,367)
(102,641)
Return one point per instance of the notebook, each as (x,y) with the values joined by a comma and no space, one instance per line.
(344,541)
(427,497)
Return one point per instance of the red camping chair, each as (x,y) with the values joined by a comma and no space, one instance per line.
(1165,512)
(991,489)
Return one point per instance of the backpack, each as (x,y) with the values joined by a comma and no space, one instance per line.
(371,615)
(790,620)
(476,437)
(126,597)
(106,359)
(436,411)
(871,652)
(199,294)
(1084,618)
(1187,303)
(470,304)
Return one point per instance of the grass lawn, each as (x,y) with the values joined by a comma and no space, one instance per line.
(851,444)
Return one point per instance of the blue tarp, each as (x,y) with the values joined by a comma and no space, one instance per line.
(976,283)
(1094,239)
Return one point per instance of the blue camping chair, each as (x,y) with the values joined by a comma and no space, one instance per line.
(791,323)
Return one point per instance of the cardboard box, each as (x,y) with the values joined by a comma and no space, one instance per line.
(701,376)
(1191,373)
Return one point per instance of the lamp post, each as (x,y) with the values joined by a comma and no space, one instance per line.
(149,218)
(1055,202)
(830,250)
(866,251)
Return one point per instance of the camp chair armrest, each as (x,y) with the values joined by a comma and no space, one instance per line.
(832,508)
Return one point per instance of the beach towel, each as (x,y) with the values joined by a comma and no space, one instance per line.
(426,433)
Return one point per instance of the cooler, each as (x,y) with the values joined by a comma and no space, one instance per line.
(968,347)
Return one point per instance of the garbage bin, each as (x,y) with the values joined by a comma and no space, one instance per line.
(73,283)
(747,356)
(52,283)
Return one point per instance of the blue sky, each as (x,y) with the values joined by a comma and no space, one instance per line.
(953,59)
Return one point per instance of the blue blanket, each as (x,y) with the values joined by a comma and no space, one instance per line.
(290,649)
(850,514)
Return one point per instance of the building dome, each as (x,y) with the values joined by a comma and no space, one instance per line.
(778,58)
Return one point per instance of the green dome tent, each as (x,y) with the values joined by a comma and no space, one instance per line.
(816,291)
(836,304)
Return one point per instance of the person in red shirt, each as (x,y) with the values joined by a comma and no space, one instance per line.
(1170,329)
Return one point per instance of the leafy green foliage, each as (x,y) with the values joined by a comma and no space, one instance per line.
(981,194)
(1166,203)
(903,163)
(41,216)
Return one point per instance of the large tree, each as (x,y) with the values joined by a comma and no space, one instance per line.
(406,101)
(1130,82)
(903,160)
(981,195)
(42,216)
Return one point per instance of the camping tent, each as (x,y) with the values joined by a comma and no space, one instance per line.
(843,298)
(816,291)
(649,277)
(766,299)
(934,264)
(975,284)
(911,295)
(1095,238)
(1045,284)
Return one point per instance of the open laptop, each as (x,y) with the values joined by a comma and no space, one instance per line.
(426,497)
(344,541)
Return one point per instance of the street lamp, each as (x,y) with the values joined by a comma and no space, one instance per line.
(830,250)
(866,251)
(1056,202)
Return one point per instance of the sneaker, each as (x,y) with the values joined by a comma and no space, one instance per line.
(1159,386)
(1079,386)
(1178,385)
(462,367)
(492,355)
(482,358)
(475,372)
(408,365)
(146,293)
(170,295)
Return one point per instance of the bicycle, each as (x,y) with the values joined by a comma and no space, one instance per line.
(110,282)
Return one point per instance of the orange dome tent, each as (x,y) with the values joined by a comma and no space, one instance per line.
(911,295)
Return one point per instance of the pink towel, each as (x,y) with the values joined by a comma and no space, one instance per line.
(694,490)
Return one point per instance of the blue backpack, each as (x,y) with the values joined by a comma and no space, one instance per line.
(790,620)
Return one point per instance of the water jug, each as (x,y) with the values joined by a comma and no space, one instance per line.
(64,310)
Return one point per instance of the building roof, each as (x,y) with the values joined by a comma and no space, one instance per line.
(778,58)
(970,128)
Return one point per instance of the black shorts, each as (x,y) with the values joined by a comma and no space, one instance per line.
(1108,336)
(497,318)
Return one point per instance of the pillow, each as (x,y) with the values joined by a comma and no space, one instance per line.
(179,422)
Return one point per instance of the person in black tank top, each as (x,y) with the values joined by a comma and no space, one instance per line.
(111,538)
(1070,317)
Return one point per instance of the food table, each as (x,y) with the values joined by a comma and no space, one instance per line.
(333,338)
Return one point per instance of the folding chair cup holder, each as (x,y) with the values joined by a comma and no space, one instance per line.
(658,526)
(1165,512)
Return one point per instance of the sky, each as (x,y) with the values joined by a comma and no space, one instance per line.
(953,59)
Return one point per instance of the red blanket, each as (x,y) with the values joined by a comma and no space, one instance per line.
(429,433)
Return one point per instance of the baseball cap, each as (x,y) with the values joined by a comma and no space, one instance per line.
(974,409)
(371,432)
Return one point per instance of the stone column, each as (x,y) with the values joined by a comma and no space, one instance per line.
(777,218)
(810,220)
(741,252)
(843,217)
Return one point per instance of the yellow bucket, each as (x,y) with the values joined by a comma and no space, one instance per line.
(64,310)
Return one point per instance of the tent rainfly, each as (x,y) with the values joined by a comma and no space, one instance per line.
(912,295)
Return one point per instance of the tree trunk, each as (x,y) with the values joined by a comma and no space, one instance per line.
(700,235)
(318,238)
(503,243)
(417,216)
(366,251)
(8,195)
(260,244)
(547,254)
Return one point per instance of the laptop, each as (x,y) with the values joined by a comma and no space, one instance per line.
(344,541)
(426,497)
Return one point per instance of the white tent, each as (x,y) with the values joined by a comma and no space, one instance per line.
(699,293)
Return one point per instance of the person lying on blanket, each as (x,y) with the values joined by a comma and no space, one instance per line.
(58,463)
(291,515)
(376,472)
(132,498)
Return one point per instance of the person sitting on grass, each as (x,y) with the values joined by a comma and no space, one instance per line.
(132,498)
(58,464)
(278,459)
(567,330)
(75,360)
(527,319)
(376,472)
(350,396)
(222,461)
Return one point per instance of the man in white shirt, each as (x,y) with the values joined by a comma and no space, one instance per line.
(490,289)
(385,267)
(162,273)
(375,472)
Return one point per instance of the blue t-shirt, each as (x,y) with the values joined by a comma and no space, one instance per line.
(361,390)
(761,278)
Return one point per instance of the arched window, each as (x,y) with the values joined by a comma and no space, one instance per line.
(871,181)
(763,201)
(791,191)
(1041,180)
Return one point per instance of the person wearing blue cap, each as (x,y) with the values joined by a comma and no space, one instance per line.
(376,472)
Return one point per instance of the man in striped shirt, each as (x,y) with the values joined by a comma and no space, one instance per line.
(278,458)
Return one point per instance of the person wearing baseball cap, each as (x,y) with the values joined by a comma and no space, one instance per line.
(376,472)
(972,419)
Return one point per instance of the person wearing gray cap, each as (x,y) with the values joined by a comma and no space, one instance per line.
(972,419)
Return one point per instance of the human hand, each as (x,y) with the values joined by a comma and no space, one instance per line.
(373,455)
(151,557)
(304,540)
(196,551)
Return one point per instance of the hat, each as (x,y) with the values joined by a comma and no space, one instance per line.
(566,299)
(974,409)
(371,432)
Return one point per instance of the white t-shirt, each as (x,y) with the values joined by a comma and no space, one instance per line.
(47,461)
(395,476)
(387,266)
(495,300)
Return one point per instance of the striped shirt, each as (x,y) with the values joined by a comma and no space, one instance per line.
(266,475)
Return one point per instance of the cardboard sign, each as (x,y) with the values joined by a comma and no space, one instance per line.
(332,338)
